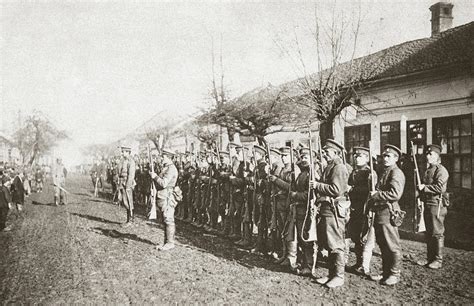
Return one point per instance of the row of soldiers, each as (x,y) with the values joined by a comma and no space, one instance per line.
(297,204)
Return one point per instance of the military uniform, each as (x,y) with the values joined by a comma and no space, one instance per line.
(435,180)
(238,191)
(333,214)
(126,174)
(165,182)
(59,179)
(389,191)
(282,188)
(360,180)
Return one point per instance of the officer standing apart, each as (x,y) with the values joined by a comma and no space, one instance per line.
(126,183)
(59,181)
(385,199)
(165,199)
(433,193)
(334,210)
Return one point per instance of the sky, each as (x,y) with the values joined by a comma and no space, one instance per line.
(101,69)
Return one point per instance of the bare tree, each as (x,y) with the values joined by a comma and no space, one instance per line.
(36,137)
(218,92)
(340,75)
(257,113)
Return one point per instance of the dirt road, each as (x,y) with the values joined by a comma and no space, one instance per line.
(79,253)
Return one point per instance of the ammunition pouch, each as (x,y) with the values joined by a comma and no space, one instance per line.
(396,216)
(343,207)
(445,200)
(177,194)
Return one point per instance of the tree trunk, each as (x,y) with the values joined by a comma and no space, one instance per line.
(326,130)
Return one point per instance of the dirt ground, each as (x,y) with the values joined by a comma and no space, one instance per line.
(79,254)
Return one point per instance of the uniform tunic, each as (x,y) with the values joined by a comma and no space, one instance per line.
(333,185)
(126,173)
(389,192)
(436,181)
(165,183)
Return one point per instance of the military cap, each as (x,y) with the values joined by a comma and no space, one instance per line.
(360,150)
(259,149)
(305,151)
(392,149)
(285,150)
(434,148)
(275,151)
(167,152)
(235,145)
(332,144)
(124,148)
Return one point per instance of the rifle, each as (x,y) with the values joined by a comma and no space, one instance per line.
(254,194)
(370,215)
(246,207)
(61,188)
(289,222)
(418,217)
(152,198)
(309,232)
(273,222)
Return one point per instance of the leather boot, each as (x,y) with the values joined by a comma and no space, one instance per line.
(129,219)
(338,278)
(246,236)
(290,261)
(169,234)
(437,263)
(283,253)
(394,274)
(56,201)
(365,262)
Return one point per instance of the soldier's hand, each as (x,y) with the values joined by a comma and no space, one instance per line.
(272,178)
(421,187)
(153,175)
(293,194)
(372,193)
(312,184)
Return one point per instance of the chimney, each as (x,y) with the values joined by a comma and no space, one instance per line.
(441,17)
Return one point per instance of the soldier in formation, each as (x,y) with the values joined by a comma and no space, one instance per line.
(274,202)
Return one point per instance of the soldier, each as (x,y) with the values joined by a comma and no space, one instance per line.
(213,206)
(39,179)
(360,181)
(59,180)
(298,207)
(190,170)
(433,193)
(282,183)
(334,211)
(166,202)
(224,190)
(259,200)
(385,199)
(238,189)
(126,173)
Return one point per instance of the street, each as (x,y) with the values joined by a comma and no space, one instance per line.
(79,253)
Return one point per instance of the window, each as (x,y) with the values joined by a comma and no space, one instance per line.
(355,136)
(416,133)
(390,134)
(454,135)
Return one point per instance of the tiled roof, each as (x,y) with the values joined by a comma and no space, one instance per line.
(453,46)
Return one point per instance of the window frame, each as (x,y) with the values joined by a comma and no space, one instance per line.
(399,134)
(450,159)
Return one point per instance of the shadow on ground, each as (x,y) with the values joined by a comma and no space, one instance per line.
(119,235)
(93,218)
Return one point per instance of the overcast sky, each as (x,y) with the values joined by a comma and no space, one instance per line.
(101,69)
